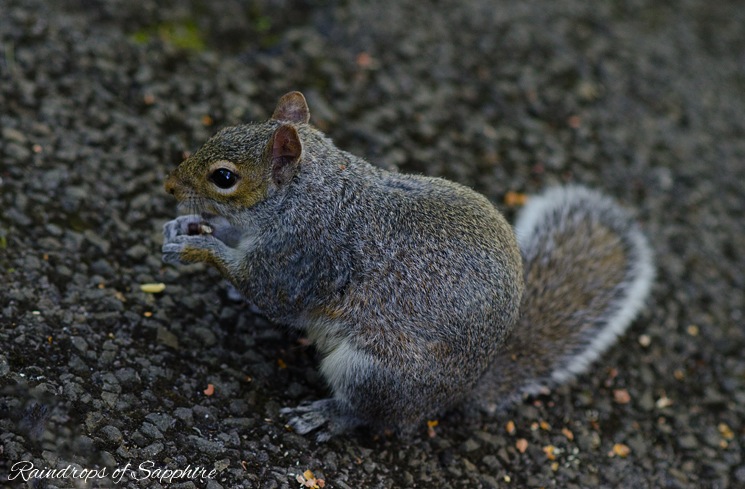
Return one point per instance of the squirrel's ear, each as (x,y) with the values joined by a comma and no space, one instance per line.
(286,149)
(292,107)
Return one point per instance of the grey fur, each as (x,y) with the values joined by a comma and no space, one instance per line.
(409,286)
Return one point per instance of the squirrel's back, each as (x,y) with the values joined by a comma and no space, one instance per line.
(588,270)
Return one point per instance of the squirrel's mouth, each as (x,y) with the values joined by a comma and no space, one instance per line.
(198,205)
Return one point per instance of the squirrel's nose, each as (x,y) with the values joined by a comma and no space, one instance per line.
(170,184)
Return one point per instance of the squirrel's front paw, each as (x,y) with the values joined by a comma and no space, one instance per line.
(189,239)
(186,249)
(181,226)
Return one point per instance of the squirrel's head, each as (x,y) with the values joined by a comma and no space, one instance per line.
(240,166)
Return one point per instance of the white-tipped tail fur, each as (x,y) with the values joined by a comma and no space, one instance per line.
(557,211)
(588,271)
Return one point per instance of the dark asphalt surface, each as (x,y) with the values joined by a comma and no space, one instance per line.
(99,99)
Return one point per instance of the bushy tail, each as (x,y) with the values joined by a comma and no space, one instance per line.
(588,270)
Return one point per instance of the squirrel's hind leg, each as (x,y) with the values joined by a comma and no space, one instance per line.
(366,393)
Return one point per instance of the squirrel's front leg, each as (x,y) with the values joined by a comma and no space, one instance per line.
(195,239)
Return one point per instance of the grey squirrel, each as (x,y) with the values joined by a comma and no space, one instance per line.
(415,291)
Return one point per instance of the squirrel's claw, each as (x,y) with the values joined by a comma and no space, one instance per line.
(304,421)
(312,416)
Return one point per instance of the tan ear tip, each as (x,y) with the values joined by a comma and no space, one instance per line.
(292,107)
(294,94)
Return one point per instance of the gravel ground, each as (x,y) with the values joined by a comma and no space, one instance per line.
(99,99)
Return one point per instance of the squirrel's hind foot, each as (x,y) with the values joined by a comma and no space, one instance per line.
(324,417)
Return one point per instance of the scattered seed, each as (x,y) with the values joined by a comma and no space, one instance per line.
(550,450)
(510,427)
(621,396)
(620,450)
(663,402)
(725,431)
(521,445)
(154,288)
(515,199)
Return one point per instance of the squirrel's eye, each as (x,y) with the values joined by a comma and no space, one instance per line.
(223,178)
